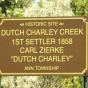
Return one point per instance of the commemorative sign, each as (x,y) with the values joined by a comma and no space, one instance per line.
(43,46)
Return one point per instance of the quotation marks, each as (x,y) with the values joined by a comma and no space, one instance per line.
(22,24)
(61,23)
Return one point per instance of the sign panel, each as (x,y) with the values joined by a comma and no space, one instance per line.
(43,46)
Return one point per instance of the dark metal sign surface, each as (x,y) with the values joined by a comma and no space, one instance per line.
(43,46)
